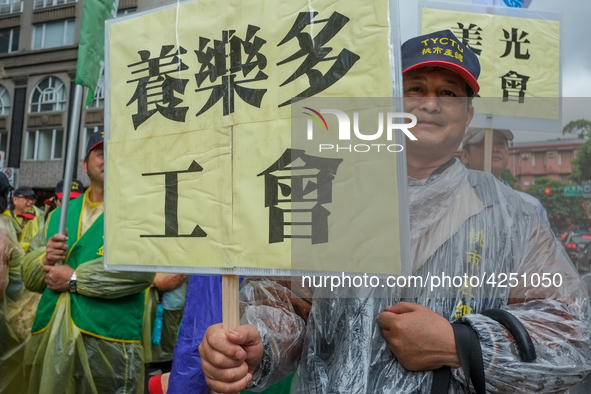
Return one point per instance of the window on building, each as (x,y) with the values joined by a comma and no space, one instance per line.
(54,34)
(560,178)
(86,136)
(526,183)
(533,159)
(51,3)
(3,145)
(4,101)
(559,158)
(10,6)
(48,95)
(128,11)
(99,93)
(44,145)
(9,40)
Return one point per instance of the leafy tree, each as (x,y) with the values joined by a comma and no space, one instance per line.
(582,164)
(563,211)
(508,177)
(581,127)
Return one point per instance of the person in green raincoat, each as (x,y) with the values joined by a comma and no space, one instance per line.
(86,338)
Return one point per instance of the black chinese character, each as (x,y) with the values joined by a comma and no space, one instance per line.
(511,39)
(514,85)
(312,48)
(470,36)
(157,87)
(171,202)
(313,187)
(214,64)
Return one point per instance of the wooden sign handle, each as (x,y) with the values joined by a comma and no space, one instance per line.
(488,148)
(230,306)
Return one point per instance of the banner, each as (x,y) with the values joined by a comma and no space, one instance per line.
(519,58)
(91,48)
(199,114)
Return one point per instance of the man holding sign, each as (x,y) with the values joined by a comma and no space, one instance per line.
(463,224)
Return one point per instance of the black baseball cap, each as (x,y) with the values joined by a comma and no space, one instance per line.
(95,140)
(4,184)
(442,49)
(76,190)
(24,191)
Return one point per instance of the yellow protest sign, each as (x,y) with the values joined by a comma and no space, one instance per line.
(241,61)
(519,59)
(199,114)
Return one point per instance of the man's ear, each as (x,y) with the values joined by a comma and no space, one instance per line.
(85,165)
(470,116)
(464,156)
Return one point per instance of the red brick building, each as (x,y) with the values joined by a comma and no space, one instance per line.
(531,160)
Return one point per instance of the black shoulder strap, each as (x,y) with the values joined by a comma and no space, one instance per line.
(517,330)
(468,346)
(441,379)
(470,352)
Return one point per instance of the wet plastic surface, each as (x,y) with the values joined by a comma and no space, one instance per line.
(462,222)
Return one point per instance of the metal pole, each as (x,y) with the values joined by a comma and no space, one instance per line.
(71,157)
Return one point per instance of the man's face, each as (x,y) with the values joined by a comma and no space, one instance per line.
(473,155)
(94,165)
(21,203)
(438,99)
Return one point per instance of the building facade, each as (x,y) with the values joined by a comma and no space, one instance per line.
(38,54)
(531,160)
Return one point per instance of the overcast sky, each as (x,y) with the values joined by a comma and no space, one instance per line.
(576,54)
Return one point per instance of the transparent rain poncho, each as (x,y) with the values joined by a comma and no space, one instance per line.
(173,288)
(38,241)
(30,230)
(462,222)
(17,310)
(61,359)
